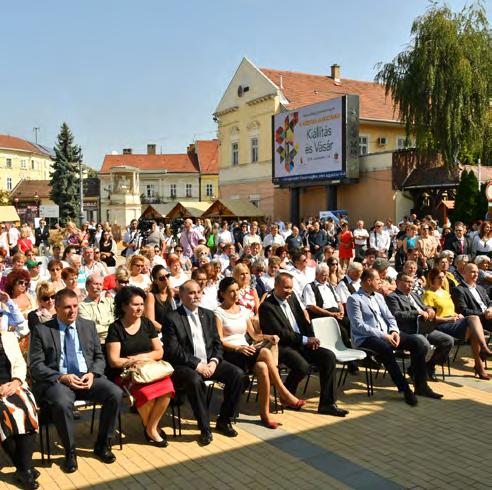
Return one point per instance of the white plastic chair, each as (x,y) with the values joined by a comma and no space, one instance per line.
(327,331)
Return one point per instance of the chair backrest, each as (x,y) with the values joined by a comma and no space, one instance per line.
(327,330)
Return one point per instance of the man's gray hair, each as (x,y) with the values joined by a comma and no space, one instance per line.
(322,267)
(355,266)
(90,279)
(481,259)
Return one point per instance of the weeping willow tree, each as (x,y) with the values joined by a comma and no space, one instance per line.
(441,84)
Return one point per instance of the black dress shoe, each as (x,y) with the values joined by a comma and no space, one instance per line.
(431,375)
(27,479)
(155,443)
(206,437)
(105,454)
(428,392)
(35,473)
(225,428)
(353,367)
(410,397)
(332,410)
(70,464)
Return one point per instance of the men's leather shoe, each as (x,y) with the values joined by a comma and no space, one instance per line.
(27,479)
(70,464)
(431,376)
(353,367)
(35,473)
(410,397)
(332,410)
(225,428)
(206,437)
(105,454)
(428,392)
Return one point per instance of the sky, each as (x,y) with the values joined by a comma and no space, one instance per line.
(125,73)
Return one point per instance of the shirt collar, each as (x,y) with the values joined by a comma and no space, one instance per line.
(281,302)
(64,326)
(189,312)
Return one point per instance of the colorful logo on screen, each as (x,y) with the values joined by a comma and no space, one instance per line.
(285,139)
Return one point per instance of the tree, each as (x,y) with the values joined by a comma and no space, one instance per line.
(465,203)
(442,83)
(65,175)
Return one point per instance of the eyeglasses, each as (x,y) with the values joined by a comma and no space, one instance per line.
(55,269)
(178,251)
(21,282)
(97,252)
(123,281)
(48,298)
(163,278)
(425,227)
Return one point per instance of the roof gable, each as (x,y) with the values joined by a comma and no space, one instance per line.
(208,156)
(173,163)
(14,143)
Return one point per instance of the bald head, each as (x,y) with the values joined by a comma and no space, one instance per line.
(190,294)
(470,274)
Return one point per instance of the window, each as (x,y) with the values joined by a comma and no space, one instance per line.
(172,191)
(150,190)
(23,164)
(9,183)
(235,154)
(254,150)
(363,145)
(9,163)
(209,190)
(33,165)
(402,143)
(188,190)
(255,202)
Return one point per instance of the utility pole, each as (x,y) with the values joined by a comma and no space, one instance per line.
(81,176)
(36,129)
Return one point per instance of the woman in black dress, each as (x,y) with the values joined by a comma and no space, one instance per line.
(160,299)
(107,247)
(131,340)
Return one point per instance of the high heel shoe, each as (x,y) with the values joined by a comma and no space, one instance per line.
(269,424)
(294,406)
(162,443)
(484,355)
(481,374)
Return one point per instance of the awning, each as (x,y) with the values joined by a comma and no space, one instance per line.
(238,208)
(8,213)
(156,211)
(188,209)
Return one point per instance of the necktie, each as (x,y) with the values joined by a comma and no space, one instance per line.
(290,317)
(376,239)
(462,247)
(70,353)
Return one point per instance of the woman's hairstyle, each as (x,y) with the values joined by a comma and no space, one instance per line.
(55,262)
(482,228)
(122,273)
(200,249)
(199,270)
(172,259)
(224,285)
(238,270)
(209,269)
(156,271)
(24,233)
(134,258)
(331,261)
(44,288)
(67,272)
(123,298)
(280,250)
(274,261)
(13,277)
(18,257)
(147,252)
(433,274)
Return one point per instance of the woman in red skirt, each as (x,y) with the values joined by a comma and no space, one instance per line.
(132,339)
(346,247)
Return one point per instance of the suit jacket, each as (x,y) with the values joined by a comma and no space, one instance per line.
(41,236)
(452,243)
(274,322)
(363,321)
(178,340)
(466,304)
(404,312)
(45,350)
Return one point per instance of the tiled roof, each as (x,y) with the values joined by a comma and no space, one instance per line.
(13,143)
(174,163)
(302,89)
(208,155)
(26,189)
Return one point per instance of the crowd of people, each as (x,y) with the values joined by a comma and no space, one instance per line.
(223,302)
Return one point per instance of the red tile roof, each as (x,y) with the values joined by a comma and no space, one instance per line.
(14,143)
(208,156)
(303,89)
(173,163)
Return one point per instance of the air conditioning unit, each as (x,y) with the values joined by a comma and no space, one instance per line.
(382,141)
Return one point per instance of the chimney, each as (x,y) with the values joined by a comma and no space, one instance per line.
(335,72)
(151,149)
(127,151)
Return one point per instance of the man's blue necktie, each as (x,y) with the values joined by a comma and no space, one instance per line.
(70,353)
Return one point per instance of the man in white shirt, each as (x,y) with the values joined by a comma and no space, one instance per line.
(274,237)
(252,236)
(298,272)
(361,235)
(14,236)
(268,279)
(379,239)
(131,239)
(90,266)
(224,257)
(199,226)
(350,283)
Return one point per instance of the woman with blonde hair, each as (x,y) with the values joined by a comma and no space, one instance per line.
(24,243)
(136,266)
(247,296)
(45,295)
(71,235)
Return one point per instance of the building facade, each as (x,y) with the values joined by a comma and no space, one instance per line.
(157,178)
(244,118)
(20,159)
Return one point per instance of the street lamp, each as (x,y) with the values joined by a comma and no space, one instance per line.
(81,177)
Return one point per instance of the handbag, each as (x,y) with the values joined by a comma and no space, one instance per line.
(148,372)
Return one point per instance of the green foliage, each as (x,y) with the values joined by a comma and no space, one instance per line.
(65,175)
(5,198)
(481,204)
(467,199)
(442,83)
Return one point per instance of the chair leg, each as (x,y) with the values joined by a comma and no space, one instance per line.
(41,444)
(121,434)
(173,416)
(48,449)
(449,367)
(340,377)
(307,382)
(210,392)
(345,377)
(456,352)
(367,383)
(442,369)
(250,387)
(93,417)
(179,420)
(372,381)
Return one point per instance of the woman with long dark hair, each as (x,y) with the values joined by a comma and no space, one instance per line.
(160,299)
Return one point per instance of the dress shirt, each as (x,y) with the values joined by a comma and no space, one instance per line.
(343,291)
(101,312)
(80,355)
(199,348)
(11,318)
(330,298)
(478,299)
(284,304)
(278,239)
(379,241)
(414,304)
(300,280)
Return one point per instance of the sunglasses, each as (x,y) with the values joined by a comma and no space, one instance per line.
(163,278)
(55,269)
(22,282)
(47,298)
(123,282)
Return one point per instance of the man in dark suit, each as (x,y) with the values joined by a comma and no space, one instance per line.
(67,364)
(282,314)
(415,318)
(472,299)
(193,346)
(457,241)
(42,236)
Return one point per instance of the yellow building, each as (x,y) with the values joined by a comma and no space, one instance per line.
(244,117)
(21,159)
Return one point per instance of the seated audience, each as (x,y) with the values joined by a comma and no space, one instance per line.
(70,278)
(132,340)
(45,295)
(55,268)
(136,265)
(350,282)
(160,301)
